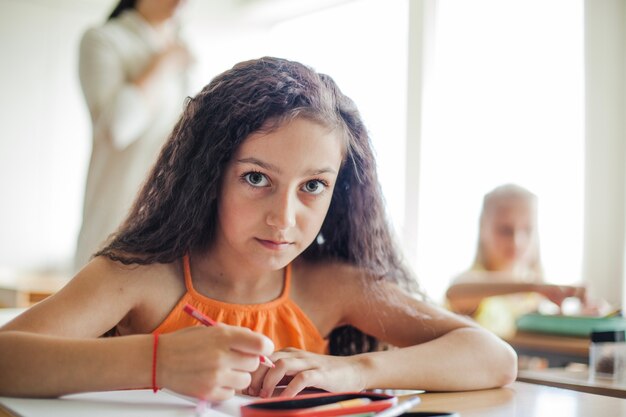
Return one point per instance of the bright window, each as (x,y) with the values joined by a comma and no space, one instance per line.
(504,103)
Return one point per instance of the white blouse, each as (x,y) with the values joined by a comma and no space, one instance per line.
(129,125)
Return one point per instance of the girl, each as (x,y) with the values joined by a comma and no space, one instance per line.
(507,259)
(264,212)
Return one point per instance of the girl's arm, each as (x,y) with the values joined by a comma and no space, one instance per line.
(37,365)
(464,298)
(456,358)
(210,363)
(53,348)
(438,350)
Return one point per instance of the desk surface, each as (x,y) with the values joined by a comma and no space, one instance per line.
(524,400)
(573,379)
(517,400)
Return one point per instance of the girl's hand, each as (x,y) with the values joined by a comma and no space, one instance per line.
(330,373)
(209,363)
(558,293)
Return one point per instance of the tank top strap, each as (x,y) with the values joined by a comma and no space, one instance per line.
(187,273)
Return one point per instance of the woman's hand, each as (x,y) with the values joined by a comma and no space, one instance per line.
(210,363)
(175,55)
(304,369)
(174,59)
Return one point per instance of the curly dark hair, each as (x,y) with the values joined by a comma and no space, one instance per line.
(176,210)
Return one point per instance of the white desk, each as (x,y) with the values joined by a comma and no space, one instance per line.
(572,379)
(524,400)
(516,400)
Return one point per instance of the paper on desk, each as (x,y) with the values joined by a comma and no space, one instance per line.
(127,403)
(231,407)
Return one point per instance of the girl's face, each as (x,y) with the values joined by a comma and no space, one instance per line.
(508,234)
(276,192)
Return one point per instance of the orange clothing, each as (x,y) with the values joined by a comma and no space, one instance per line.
(281,319)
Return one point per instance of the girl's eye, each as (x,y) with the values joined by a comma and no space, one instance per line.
(314,187)
(256,179)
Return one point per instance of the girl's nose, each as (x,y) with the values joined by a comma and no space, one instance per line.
(521,239)
(282,213)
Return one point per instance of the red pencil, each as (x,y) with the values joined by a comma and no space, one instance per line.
(207,321)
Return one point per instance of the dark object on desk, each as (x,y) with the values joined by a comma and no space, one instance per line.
(558,350)
(605,366)
(607,355)
(306,405)
(581,326)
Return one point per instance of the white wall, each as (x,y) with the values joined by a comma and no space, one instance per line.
(497,109)
(45,130)
(605,203)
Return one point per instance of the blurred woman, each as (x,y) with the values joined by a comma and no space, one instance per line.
(134,76)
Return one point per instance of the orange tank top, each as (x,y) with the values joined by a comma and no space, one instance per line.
(281,319)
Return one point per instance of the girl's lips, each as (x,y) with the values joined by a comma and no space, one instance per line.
(273,245)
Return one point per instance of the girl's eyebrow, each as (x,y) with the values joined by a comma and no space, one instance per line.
(274,168)
(260,163)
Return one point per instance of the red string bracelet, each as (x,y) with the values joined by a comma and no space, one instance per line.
(154,362)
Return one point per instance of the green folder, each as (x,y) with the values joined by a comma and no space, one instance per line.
(569,325)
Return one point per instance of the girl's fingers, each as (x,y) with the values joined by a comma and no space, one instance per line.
(237,380)
(301,381)
(284,367)
(271,379)
(581,293)
(247,341)
(244,362)
(257,381)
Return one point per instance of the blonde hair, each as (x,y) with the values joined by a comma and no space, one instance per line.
(501,193)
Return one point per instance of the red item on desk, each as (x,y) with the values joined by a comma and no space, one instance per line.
(307,405)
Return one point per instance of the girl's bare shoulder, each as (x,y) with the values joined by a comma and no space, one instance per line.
(322,272)
(148,292)
(102,295)
(320,276)
(106,272)
(321,290)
